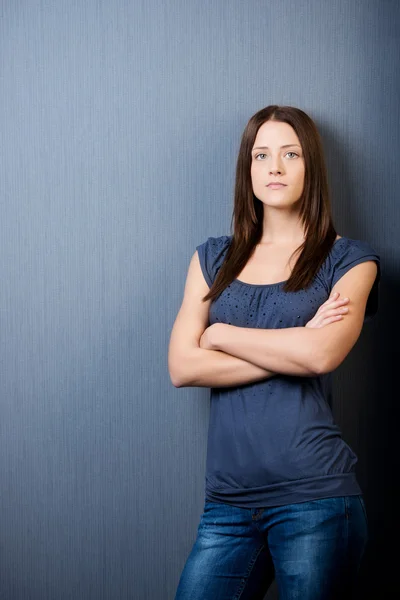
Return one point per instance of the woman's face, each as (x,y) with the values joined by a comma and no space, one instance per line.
(277,156)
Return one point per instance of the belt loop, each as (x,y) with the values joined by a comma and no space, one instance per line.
(257,513)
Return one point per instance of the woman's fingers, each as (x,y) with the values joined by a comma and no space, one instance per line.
(329,304)
(333,309)
(328,320)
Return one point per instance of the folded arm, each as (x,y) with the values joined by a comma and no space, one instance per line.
(297,349)
(209,368)
(188,364)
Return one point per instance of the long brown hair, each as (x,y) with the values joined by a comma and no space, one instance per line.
(315,205)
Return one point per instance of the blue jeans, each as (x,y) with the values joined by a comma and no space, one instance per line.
(313,549)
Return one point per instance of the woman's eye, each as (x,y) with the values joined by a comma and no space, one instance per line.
(262,155)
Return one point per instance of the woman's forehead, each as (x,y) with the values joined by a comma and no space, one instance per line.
(276,135)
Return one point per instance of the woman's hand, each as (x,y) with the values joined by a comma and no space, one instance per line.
(206,340)
(331,310)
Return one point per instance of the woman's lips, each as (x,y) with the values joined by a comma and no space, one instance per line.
(276,186)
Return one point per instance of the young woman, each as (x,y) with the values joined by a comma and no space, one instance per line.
(268,313)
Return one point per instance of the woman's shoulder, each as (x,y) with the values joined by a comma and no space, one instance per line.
(220,241)
(215,245)
(346,246)
(345,254)
(211,255)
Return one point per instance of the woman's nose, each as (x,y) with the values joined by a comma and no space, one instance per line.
(275,165)
(275,171)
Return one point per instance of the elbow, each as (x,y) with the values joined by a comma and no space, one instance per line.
(318,362)
(322,358)
(176,377)
(322,369)
(178,372)
(174,380)
(314,361)
(177,384)
(328,363)
(177,381)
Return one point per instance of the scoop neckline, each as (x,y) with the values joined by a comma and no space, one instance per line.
(278,283)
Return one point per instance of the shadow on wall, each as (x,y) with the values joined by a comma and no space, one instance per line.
(379,570)
(366,405)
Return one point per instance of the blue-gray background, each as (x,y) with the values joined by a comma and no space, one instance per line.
(120,123)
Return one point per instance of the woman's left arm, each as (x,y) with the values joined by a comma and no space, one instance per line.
(289,351)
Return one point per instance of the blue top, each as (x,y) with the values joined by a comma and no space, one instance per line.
(275,442)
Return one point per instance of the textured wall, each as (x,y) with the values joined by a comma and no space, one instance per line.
(119,127)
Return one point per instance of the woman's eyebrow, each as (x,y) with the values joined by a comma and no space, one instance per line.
(266,147)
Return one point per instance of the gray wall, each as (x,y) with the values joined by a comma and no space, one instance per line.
(120,123)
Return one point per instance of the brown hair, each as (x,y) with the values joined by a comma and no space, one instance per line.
(315,205)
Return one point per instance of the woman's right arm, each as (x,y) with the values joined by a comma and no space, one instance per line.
(192,366)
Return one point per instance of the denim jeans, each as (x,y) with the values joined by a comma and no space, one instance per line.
(313,549)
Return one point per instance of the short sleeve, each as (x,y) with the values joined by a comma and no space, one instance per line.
(211,256)
(345,255)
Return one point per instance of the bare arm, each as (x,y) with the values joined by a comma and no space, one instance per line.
(190,365)
(210,368)
(295,349)
(290,351)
